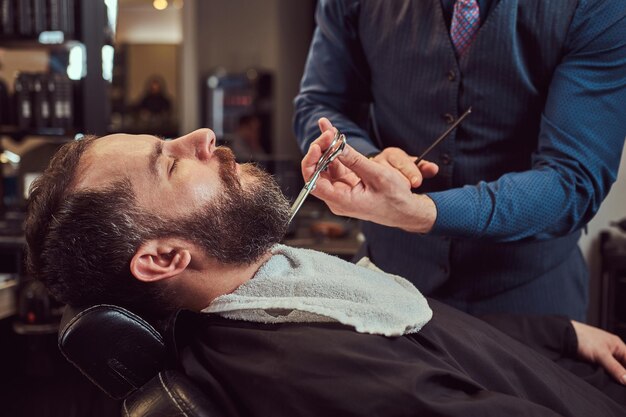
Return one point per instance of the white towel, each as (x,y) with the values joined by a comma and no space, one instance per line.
(301,285)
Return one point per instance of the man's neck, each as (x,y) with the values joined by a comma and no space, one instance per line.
(209,279)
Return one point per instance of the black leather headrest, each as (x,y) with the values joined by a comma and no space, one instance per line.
(116,349)
(172,394)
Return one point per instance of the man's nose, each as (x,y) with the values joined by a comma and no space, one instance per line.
(201,142)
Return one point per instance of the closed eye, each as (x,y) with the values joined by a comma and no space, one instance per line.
(173,167)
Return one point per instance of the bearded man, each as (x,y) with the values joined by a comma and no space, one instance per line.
(157,226)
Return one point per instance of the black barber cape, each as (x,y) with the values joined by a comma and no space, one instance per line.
(457,365)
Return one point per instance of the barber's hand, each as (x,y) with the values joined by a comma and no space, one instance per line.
(601,347)
(358,187)
(405,163)
(396,158)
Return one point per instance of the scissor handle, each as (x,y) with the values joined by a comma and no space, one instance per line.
(335,148)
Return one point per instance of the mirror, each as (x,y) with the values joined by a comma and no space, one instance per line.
(145,86)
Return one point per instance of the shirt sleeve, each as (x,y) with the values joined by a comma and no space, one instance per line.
(582,131)
(336,78)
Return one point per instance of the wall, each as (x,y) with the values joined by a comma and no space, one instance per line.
(153,39)
(267,34)
(146,60)
(142,23)
(188,76)
(12,62)
(296,30)
(613,208)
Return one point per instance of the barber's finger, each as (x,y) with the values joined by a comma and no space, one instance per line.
(313,155)
(329,193)
(324,124)
(404,163)
(325,139)
(613,367)
(336,169)
(309,161)
(368,170)
(428,169)
(317,149)
(323,189)
(620,355)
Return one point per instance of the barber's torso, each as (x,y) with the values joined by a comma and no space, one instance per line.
(419,87)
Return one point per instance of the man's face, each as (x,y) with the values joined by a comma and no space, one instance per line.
(170,178)
(234,211)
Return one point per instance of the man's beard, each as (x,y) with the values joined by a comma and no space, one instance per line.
(245,220)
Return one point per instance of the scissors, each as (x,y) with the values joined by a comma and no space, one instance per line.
(335,148)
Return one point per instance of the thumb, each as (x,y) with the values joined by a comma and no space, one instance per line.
(428,169)
(367,169)
(324,124)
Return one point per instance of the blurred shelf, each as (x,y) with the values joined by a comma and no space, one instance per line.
(35,329)
(7,298)
(16,133)
(28,43)
(12,242)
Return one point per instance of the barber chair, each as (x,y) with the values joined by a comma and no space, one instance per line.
(128,359)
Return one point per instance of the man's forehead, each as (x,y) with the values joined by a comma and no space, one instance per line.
(123,140)
(113,157)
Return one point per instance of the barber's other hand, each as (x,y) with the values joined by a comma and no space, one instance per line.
(601,347)
(405,163)
(358,187)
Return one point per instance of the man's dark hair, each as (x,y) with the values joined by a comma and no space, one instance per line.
(80,242)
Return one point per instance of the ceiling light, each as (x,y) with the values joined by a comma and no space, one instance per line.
(159,4)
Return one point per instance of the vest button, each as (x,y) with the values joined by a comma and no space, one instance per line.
(446,159)
(449,118)
(451,75)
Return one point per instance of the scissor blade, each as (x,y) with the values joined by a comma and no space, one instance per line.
(299,201)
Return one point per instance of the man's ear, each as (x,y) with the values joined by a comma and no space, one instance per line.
(159,259)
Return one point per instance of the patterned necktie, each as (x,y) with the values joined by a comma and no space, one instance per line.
(465,23)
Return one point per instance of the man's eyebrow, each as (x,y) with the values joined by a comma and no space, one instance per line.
(156,153)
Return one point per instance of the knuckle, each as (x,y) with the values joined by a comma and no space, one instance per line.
(385,178)
(408,170)
(352,161)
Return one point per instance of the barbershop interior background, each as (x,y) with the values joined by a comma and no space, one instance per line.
(167,68)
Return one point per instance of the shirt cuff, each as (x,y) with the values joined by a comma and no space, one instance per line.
(457,213)
(570,340)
